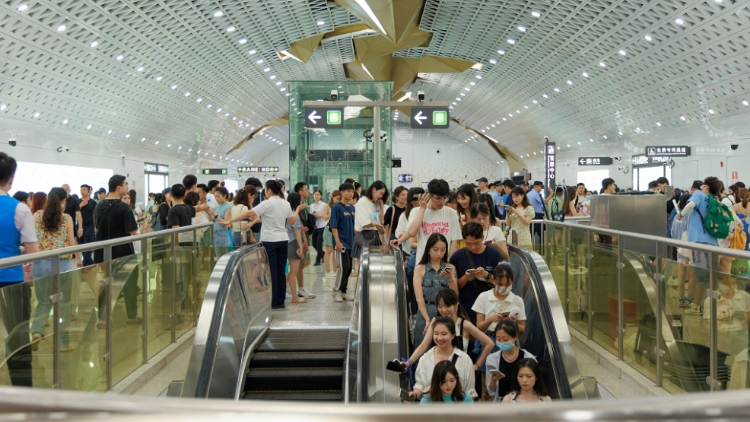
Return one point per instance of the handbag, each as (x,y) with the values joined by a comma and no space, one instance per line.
(480,286)
(369,236)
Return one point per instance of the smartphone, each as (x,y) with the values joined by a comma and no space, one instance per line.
(447,270)
(470,271)
(505,314)
(495,372)
(394,366)
(489,242)
(406,397)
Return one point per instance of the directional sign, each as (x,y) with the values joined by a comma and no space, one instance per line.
(257,169)
(550,163)
(324,118)
(594,161)
(670,151)
(430,118)
(215,171)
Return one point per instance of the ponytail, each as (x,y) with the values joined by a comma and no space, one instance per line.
(275,187)
(744,196)
(53,215)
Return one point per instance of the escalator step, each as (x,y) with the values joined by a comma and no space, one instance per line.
(265,379)
(295,395)
(307,333)
(310,359)
(302,344)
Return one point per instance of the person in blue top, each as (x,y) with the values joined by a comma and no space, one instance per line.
(697,208)
(446,386)
(342,228)
(17,227)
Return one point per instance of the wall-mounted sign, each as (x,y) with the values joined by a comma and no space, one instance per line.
(676,151)
(646,161)
(430,118)
(550,164)
(215,171)
(257,169)
(324,118)
(155,168)
(405,178)
(594,161)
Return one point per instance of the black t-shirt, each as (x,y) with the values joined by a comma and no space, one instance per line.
(487,260)
(256,227)
(71,207)
(113,220)
(180,215)
(87,213)
(163,213)
(389,214)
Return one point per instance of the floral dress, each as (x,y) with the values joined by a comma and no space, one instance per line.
(523,232)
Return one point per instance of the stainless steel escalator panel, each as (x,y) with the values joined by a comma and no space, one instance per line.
(559,341)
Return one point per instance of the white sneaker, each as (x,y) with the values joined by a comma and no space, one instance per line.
(301,292)
(347,297)
(337,296)
(288,296)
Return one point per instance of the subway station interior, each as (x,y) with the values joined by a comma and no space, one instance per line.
(597,147)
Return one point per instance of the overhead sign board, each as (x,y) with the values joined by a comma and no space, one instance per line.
(670,151)
(594,161)
(550,164)
(324,117)
(155,168)
(215,171)
(430,118)
(646,161)
(257,169)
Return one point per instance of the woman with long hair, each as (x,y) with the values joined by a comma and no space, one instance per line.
(487,200)
(37,202)
(572,198)
(502,364)
(393,214)
(446,385)
(466,196)
(221,233)
(296,250)
(742,209)
(527,384)
(493,235)
(368,218)
(241,234)
(431,275)
(54,230)
(329,259)
(319,212)
(519,217)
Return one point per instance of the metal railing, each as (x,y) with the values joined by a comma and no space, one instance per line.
(650,269)
(108,281)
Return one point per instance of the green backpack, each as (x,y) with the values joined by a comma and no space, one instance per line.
(718,220)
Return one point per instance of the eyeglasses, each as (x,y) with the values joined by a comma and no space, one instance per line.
(441,199)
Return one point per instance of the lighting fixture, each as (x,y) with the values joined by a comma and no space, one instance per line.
(208,105)
(88,127)
(493,61)
(604,136)
(94,44)
(187,94)
(745,103)
(169,145)
(602,64)
(62,28)
(321,23)
(268,69)
(535,101)
(579,143)
(545,95)
(218,110)
(557,89)
(119,57)
(143,139)
(679,21)
(272,77)
(109,132)
(198,100)
(535,14)
(711,111)
(278,83)
(585,74)
(231,28)
(501,52)
(591,139)
(190,150)
(22,7)
(658,124)
(127,135)
(242,40)
(156,143)
(3,107)
(478,76)
(65,121)
(174,87)
(683,118)
(260,61)
(466,88)
(521,28)
(569,82)
(158,78)
(623,53)
(511,41)
(648,38)
(251,52)
(179,147)
(218,14)
(139,69)
(36,114)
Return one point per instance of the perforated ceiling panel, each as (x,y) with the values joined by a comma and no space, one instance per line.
(203,74)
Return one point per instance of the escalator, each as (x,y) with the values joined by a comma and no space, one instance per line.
(298,365)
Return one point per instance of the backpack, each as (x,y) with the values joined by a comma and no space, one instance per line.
(718,220)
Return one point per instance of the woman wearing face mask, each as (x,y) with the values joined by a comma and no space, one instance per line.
(465,198)
(493,235)
(430,276)
(446,386)
(519,217)
(444,332)
(502,364)
(448,306)
(527,384)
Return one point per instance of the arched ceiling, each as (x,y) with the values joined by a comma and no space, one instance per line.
(204,74)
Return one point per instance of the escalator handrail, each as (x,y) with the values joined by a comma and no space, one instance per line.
(559,341)
(363,369)
(209,326)
(402,309)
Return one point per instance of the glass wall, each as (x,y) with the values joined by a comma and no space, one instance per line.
(325,157)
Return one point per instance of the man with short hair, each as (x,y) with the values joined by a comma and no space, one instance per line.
(87,206)
(508,186)
(661,184)
(114,219)
(181,215)
(210,198)
(474,265)
(17,227)
(101,194)
(537,201)
(525,186)
(433,217)
(498,192)
(482,183)
(342,228)
(73,209)
(608,186)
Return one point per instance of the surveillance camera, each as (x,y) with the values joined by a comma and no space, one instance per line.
(63,149)
(618,158)
(546,138)
(12,142)
(420,96)
(734,147)
(438,151)
(334,95)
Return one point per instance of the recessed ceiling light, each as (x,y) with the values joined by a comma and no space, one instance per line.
(231,28)
(62,28)
(679,21)
(179,147)
(218,14)
(260,61)
(234,118)
(602,64)
(65,121)
(493,61)
(658,124)
(187,94)
(169,145)
(282,89)
(535,101)
(198,152)
(569,82)
(208,105)
(174,86)
(127,135)
(545,95)
(226,114)
(683,118)
(458,98)
(158,78)
(143,139)
(109,132)
(94,44)
(278,83)
(119,57)
(463,94)
(591,139)
(190,150)
(585,74)
(268,69)
(648,38)
(511,41)
(535,14)
(557,89)
(579,143)
(321,23)
(218,109)
(198,100)
(478,76)
(156,143)
(623,53)
(3,107)
(711,111)
(88,127)
(568,145)
(466,88)
(501,52)
(522,28)
(139,69)
(454,103)
(242,40)
(272,77)
(36,114)
(251,52)
(23,7)
(745,103)
(604,136)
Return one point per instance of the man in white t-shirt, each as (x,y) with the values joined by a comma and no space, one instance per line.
(434,217)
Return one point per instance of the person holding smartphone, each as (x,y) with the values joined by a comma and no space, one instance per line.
(430,276)
(502,364)
(493,235)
